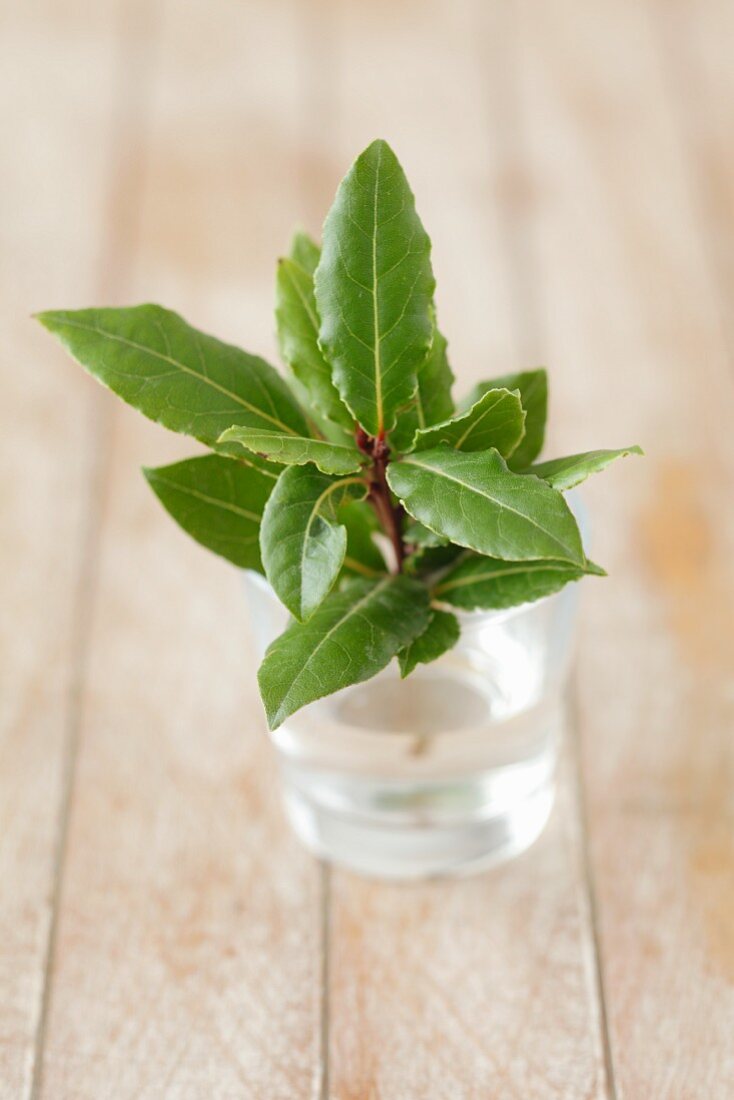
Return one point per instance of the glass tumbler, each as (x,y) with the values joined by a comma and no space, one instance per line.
(448,771)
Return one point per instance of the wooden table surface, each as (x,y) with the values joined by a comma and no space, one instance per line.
(161,932)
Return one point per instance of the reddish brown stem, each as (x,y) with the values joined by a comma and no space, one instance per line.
(390,515)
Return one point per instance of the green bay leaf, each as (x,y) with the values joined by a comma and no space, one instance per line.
(432,402)
(439,636)
(496,420)
(184,379)
(428,560)
(416,534)
(296,450)
(304,251)
(564,473)
(297,323)
(353,635)
(477,502)
(533,387)
(301,542)
(480,583)
(374,288)
(218,502)
(362,557)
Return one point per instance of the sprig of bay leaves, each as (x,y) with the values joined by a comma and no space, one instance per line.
(362,439)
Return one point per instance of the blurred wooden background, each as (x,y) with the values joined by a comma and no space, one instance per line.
(161,933)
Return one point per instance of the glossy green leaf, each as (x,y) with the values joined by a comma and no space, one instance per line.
(297,322)
(296,450)
(187,381)
(484,524)
(428,560)
(477,502)
(439,636)
(362,557)
(355,632)
(301,543)
(218,502)
(416,534)
(479,583)
(533,387)
(304,251)
(374,288)
(496,420)
(564,473)
(432,402)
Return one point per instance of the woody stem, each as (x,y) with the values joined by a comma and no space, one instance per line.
(390,515)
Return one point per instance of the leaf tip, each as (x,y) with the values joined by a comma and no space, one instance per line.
(378,145)
(379,151)
(152,476)
(48,318)
(275,713)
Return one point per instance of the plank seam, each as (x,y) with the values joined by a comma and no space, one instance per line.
(507,121)
(84,601)
(123,189)
(323,1085)
(319,99)
(590,892)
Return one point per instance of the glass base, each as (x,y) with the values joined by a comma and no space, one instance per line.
(447,772)
(423,844)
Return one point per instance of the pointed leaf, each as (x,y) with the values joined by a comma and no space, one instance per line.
(354,634)
(477,502)
(433,399)
(296,450)
(427,560)
(373,289)
(304,251)
(533,387)
(564,473)
(439,636)
(187,381)
(298,329)
(362,556)
(496,420)
(480,583)
(301,544)
(416,534)
(432,402)
(218,502)
(305,254)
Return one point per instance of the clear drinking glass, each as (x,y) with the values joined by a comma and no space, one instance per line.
(448,771)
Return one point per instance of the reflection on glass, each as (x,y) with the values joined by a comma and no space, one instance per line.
(451,769)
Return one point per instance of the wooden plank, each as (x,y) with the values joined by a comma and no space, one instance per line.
(486,986)
(56,103)
(188,949)
(636,343)
(695,45)
(467,988)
